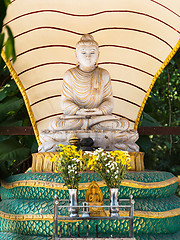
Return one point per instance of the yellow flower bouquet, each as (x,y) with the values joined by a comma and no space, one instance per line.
(111,166)
(70,163)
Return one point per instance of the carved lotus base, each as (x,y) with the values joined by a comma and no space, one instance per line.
(41,163)
(137,161)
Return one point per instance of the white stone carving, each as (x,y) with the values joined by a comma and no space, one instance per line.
(87,104)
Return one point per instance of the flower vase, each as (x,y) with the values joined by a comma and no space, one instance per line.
(73,210)
(114,211)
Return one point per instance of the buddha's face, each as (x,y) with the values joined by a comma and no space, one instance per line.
(93,190)
(87,56)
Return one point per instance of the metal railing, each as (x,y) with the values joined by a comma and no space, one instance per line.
(57,231)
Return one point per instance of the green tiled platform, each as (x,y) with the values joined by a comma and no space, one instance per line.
(27,206)
(13,236)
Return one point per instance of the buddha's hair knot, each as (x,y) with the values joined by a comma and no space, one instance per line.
(87,39)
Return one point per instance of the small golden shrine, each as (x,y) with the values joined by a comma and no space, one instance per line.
(94,196)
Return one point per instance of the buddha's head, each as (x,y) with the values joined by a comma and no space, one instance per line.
(87,52)
(93,190)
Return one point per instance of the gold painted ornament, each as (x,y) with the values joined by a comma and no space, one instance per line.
(94,196)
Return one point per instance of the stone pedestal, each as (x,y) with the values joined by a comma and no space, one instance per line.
(41,163)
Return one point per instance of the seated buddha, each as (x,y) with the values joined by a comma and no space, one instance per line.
(87,100)
(94,197)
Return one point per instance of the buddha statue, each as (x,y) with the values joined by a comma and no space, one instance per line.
(94,197)
(87,102)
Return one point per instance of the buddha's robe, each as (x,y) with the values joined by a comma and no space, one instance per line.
(87,90)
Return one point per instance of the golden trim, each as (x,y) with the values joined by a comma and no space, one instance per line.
(26,217)
(49,217)
(135,184)
(146,214)
(83,186)
(24,95)
(168,59)
(29,169)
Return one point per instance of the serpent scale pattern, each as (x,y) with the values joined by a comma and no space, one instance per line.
(34,207)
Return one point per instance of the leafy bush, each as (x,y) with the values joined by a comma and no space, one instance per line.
(163,109)
(13,149)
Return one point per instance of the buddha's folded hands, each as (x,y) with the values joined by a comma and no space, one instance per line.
(91,112)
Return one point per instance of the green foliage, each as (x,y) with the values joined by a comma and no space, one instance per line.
(3,8)
(163,109)
(9,43)
(10,107)
(13,149)
(1,40)
(11,152)
(178,191)
(163,155)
